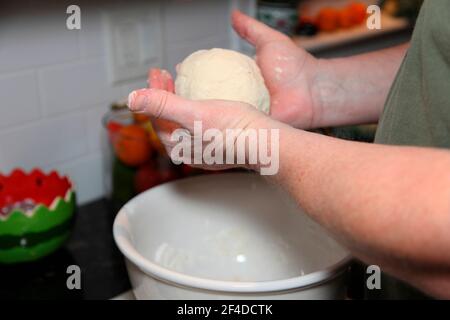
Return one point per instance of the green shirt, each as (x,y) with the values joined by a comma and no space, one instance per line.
(417,110)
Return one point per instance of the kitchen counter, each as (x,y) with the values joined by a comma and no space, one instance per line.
(327,41)
(91,247)
(357,40)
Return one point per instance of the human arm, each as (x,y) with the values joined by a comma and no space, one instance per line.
(353,90)
(389,205)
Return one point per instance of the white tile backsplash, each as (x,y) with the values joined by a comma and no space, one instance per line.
(95,131)
(133,85)
(75,85)
(32,39)
(187,21)
(49,141)
(20,98)
(54,87)
(90,44)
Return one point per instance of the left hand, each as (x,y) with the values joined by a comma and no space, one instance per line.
(288,70)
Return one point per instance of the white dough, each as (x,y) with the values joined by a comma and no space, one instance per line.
(224,75)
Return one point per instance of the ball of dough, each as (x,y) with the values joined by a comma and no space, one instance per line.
(224,75)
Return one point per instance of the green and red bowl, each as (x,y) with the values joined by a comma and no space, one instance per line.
(36,214)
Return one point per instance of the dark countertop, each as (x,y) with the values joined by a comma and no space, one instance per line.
(91,247)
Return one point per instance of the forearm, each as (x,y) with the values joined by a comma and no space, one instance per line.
(353,90)
(389,205)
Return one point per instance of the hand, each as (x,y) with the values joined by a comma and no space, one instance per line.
(213,114)
(162,79)
(288,70)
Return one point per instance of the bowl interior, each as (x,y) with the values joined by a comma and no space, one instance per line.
(229,227)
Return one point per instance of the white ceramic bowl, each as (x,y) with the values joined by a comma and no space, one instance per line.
(227,236)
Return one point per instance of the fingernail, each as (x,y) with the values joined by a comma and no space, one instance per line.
(131,98)
(137,100)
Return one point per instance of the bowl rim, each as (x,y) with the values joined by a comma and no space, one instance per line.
(29,214)
(122,238)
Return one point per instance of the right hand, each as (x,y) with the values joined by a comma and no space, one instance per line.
(219,115)
(288,70)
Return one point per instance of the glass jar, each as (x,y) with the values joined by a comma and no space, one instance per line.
(136,160)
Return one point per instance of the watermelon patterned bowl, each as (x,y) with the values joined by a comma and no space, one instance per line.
(36,214)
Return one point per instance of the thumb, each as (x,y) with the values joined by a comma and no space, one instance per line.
(255,32)
(162,104)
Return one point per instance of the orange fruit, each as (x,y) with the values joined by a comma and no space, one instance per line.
(154,139)
(147,176)
(358,11)
(113,128)
(346,18)
(328,19)
(132,145)
(140,118)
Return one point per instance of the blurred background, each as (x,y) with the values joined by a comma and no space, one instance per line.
(62,101)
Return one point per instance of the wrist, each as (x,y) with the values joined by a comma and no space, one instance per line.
(327,93)
(262,155)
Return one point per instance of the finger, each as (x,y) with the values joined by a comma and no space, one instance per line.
(168,81)
(162,79)
(255,32)
(162,104)
(155,79)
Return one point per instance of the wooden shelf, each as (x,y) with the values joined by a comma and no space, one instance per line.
(324,40)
